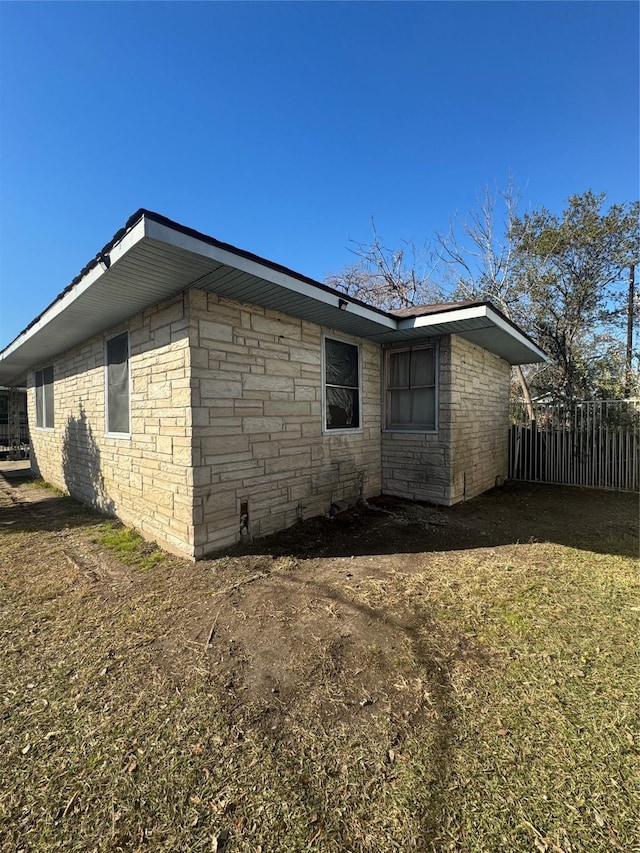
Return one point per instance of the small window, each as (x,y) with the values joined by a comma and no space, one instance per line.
(44,398)
(117,380)
(341,385)
(411,388)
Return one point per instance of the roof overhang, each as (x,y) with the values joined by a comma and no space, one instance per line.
(153,259)
(480,323)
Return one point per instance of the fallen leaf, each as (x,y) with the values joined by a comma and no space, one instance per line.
(503,732)
(133,765)
(598,817)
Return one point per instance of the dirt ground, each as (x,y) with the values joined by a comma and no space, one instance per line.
(265,617)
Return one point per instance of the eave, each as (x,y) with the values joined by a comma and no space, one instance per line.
(153,259)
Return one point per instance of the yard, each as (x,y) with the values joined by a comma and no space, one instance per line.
(399,678)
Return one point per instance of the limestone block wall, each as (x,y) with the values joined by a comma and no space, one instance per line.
(417,465)
(257,423)
(145,479)
(479,419)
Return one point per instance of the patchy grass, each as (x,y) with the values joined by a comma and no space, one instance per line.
(481,699)
(126,544)
(47,487)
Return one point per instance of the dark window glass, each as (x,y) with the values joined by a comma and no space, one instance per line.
(118,384)
(44,398)
(47,374)
(39,400)
(342,385)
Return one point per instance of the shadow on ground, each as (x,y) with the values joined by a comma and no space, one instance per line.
(518,513)
(37,508)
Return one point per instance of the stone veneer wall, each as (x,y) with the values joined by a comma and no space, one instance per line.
(479,420)
(470,449)
(417,465)
(257,423)
(147,479)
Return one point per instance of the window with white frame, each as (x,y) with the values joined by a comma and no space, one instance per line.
(117,385)
(341,385)
(44,398)
(411,388)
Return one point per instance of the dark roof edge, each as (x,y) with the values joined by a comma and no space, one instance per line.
(198,235)
(250,256)
(131,222)
(511,323)
(142,212)
(468,303)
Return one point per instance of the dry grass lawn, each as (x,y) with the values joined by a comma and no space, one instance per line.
(400,678)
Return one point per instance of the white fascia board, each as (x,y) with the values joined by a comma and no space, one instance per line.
(95,273)
(468,313)
(165,234)
(475,312)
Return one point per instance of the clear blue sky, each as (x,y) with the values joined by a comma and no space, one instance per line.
(283,127)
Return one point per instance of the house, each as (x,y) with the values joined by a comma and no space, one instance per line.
(202,393)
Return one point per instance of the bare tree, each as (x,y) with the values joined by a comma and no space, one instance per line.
(390,278)
(480,255)
(558,277)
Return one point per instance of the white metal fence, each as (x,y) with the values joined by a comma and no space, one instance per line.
(588,443)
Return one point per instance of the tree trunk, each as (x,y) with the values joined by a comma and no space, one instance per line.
(629,354)
(525,391)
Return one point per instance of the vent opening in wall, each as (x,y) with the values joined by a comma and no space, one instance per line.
(245,533)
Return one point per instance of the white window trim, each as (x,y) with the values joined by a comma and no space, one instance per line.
(385,391)
(346,430)
(35,388)
(108,433)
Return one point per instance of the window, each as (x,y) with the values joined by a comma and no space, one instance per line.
(44,398)
(341,385)
(411,388)
(117,381)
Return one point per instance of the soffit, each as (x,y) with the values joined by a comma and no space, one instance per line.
(154,261)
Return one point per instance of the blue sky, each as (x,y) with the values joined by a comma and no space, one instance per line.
(283,127)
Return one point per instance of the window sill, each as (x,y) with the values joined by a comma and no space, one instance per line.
(118,435)
(354,431)
(45,429)
(412,430)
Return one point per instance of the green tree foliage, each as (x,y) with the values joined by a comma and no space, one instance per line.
(561,278)
(571,280)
